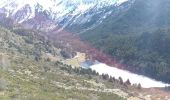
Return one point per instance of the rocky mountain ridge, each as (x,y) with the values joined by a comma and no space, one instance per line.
(61,13)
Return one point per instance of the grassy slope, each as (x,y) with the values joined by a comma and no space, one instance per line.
(24,78)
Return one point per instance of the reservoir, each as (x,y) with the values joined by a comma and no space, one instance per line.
(145,82)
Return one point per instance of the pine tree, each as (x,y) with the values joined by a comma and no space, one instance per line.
(128,82)
(139,86)
(120,80)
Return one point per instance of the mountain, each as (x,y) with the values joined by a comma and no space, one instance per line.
(41,52)
(58,13)
(118,28)
(142,14)
(131,32)
(138,38)
(32,68)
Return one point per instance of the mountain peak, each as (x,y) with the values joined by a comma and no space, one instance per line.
(58,8)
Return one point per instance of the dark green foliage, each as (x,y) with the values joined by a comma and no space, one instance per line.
(111,79)
(27,79)
(139,86)
(120,80)
(138,39)
(147,53)
(79,71)
(105,76)
(65,54)
(128,82)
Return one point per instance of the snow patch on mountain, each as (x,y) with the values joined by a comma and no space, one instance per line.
(56,8)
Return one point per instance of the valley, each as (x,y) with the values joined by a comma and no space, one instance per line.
(34,74)
(84,50)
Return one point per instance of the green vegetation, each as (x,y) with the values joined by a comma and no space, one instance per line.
(25,74)
(146,54)
(139,38)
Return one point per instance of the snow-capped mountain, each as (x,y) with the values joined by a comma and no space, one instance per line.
(63,13)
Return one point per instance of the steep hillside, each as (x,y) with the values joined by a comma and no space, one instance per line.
(78,14)
(32,69)
(26,74)
(138,38)
(142,15)
(41,52)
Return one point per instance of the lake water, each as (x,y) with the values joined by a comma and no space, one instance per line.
(134,78)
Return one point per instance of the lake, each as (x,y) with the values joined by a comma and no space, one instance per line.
(145,82)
